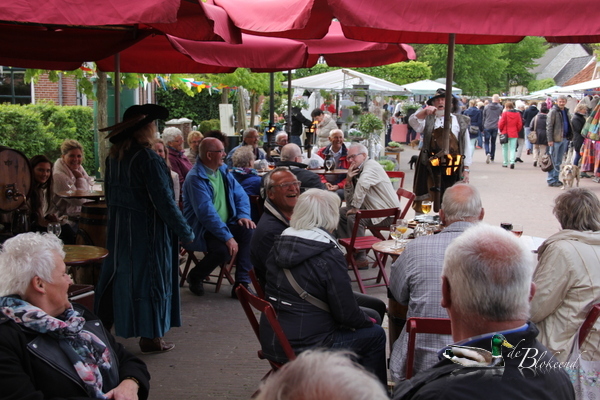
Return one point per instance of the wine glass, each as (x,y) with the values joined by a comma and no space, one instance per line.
(329,164)
(426,206)
(92,182)
(70,186)
(402,227)
(517,230)
(55,228)
(395,234)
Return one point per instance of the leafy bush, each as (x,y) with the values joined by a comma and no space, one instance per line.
(41,128)
(369,123)
(209,125)
(201,107)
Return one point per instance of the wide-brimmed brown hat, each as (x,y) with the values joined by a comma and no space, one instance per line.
(134,118)
(442,93)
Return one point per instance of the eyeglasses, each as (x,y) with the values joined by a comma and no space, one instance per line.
(351,157)
(287,184)
(217,151)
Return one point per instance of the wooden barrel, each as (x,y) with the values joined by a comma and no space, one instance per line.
(92,224)
(15,179)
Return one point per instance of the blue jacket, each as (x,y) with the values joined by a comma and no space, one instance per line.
(199,210)
(475,114)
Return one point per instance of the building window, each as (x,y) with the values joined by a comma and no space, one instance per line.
(13,88)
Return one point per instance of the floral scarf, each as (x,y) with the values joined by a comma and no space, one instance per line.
(245,171)
(91,358)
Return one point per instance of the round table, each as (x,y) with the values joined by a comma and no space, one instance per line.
(396,311)
(95,195)
(85,262)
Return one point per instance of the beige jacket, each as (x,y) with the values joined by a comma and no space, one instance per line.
(324,128)
(567,278)
(373,190)
(62,176)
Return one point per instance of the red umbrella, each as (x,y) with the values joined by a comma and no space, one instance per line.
(61,34)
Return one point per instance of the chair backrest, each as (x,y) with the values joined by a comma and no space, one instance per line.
(397,174)
(257,286)
(369,214)
(589,322)
(409,196)
(259,202)
(440,326)
(249,301)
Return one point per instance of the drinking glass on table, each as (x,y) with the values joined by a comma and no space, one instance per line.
(70,186)
(329,164)
(395,234)
(92,182)
(54,227)
(517,230)
(402,227)
(426,206)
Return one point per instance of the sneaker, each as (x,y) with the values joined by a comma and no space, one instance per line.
(596,179)
(518,160)
(584,175)
(504,166)
(488,158)
(535,163)
(555,184)
(156,345)
(512,166)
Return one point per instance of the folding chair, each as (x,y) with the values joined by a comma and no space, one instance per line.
(225,271)
(588,323)
(356,244)
(257,287)
(250,301)
(440,326)
(410,196)
(397,174)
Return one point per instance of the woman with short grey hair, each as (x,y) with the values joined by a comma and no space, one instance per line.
(567,276)
(246,175)
(306,257)
(179,162)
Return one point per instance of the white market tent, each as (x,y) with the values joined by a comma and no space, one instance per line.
(341,80)
(593,84)
(428,88)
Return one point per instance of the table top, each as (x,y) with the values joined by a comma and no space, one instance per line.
(336,171)
(385,246)
(78,254)
(82,194)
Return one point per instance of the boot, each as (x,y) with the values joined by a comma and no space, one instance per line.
(156,345)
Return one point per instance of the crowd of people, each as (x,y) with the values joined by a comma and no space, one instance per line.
(162,198)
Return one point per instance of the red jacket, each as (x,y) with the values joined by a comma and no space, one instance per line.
(511,123)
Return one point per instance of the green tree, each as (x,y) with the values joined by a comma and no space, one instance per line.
(315,70)
(534,86)
(520,59)
(400,73)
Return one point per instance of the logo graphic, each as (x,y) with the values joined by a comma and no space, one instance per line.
(477,357)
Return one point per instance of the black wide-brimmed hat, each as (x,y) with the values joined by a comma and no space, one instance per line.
(442,93)
(134,118)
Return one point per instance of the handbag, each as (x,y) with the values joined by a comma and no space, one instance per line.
(546,163)
(532,136)
(503,138)
(473,131)
(584,374)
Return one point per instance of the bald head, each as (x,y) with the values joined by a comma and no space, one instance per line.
(290,152)
(211,152)
(461,203)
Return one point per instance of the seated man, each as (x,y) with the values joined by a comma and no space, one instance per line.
(415,282)
(338,151)
(218,210)
(567,275)
(367,188)
(281,139)
(486,289)
(291,157)
(249,138)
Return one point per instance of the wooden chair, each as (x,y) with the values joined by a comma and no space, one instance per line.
(588,323)
(440,326)
(410,196)
(397,174)
(250,302)
(225,271)
(257,287)
(356,244)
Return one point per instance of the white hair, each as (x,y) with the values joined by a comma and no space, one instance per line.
(322,375)
(334,131)
(461,203)
(280,135)
(489,271)
(361,148)
(316,208)
(25,256)
(170,134)
(290,151)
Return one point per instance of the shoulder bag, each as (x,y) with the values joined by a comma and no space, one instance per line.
(503,137)
(546,162)
(532,136)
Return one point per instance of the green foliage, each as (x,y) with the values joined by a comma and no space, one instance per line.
(255,83)
(369,123)
(202,107)
(317,69)
(387,165)
(400,73)
(406,108)
(209,125)
(520,57)
(41,128)
(534,86)
(356,110)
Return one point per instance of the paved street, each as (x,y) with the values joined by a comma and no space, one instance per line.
(215,357)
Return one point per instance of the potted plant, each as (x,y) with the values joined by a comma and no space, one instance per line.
(371,125)
(394,146)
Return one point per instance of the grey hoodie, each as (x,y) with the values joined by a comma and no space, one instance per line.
(491,115)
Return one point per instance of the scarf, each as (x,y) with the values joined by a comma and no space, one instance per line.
(245,171)
(91,358)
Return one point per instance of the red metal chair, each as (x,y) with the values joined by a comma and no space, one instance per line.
(257,287)
(225,271)
(589,322)
(397,174)
(440,326)
(410,196)
(250,302)
(356,244)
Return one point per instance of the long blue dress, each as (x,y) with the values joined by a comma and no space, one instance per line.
(144,225)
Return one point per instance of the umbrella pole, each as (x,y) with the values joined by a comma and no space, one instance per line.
(288,125)
(117,87)
(448,107)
